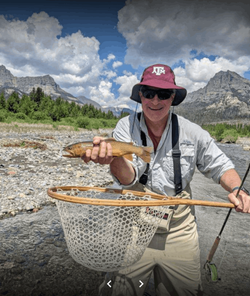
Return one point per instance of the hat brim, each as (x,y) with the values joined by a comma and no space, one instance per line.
(180,94)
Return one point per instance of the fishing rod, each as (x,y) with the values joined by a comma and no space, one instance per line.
(211,269)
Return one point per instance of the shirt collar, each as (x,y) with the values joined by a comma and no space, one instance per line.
(143,126)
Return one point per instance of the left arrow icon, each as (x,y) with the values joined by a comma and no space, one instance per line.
(109,283)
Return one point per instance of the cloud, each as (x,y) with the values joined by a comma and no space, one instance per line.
(35,47)
(102,93)
(117,64)
(126,82)
(167,31)
(197,73)
(109,74)
(110,58)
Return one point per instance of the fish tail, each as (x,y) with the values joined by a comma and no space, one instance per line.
(145,156)
(128,156)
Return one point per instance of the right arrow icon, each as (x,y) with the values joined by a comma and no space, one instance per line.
(141,283)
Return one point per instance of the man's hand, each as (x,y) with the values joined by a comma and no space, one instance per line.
(229,180)
(242,202)
(101,152)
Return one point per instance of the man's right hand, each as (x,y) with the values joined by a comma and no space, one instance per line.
(101,152)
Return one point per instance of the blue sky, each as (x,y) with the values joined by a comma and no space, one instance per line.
(92,18)
(99,49)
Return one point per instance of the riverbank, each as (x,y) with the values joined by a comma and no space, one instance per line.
(34,258)
(244,142)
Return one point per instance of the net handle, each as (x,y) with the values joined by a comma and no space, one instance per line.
(160,200)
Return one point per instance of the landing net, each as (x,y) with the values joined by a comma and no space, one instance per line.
(104,237)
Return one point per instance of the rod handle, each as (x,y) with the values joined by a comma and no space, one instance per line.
(213,249)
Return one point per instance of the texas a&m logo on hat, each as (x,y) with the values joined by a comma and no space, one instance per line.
(158,70)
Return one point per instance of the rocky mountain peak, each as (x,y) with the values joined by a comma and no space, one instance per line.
(226,97)
(24,85)
(3,69)
(227,81)
(5,76)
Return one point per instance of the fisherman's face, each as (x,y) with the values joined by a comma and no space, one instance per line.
(154,109)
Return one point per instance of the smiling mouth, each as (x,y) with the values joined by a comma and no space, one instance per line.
(155,109)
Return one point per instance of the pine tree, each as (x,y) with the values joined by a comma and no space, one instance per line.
(26,105)
(13,103)
(37,95)
(2,101)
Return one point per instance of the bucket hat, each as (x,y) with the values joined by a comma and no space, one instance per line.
(160,76)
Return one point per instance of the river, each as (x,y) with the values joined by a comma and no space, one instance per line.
(240,158)
(34,259)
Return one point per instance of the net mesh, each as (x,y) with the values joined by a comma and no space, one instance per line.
(108,238)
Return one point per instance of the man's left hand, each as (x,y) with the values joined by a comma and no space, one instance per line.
(242,202)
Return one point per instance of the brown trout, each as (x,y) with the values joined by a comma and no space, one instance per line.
(118,149)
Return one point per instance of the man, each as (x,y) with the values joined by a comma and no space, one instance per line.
(173,254)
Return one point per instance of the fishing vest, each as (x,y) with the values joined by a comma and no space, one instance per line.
(176,154)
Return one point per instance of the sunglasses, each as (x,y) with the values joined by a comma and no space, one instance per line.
(163,94)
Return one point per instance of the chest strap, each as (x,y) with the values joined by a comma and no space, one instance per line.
(176,154)
(144,178)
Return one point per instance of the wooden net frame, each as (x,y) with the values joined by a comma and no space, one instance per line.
(159,200)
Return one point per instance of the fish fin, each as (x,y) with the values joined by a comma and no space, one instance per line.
(146,154)
(128,156)
(149,149)
(113,139)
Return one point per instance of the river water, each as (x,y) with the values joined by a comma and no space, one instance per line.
(240,158)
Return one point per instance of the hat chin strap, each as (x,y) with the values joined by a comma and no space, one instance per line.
(134,120)
(173,96)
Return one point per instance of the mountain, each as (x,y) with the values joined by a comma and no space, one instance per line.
(226,97)
(24,85)
(83,100)
(117,110)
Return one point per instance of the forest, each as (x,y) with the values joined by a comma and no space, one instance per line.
(40,108)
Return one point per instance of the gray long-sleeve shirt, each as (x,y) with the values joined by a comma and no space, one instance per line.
(197,147)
